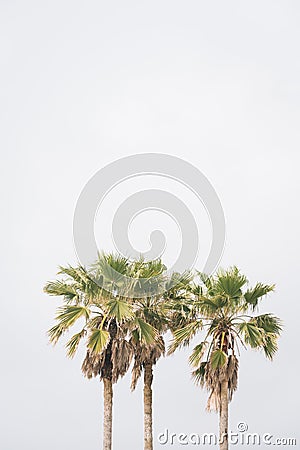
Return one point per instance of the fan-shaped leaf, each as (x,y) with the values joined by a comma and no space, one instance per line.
(253,335)
(218,359)
(270,345)
(270,323)
(230,282)
(119,309)
(98,340)
(259,290)
(147,334)
(69,314)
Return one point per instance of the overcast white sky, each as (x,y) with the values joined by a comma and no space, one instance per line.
(85,83)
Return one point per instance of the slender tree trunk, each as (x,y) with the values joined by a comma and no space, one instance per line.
(107,425)
(224,416)
(148,433)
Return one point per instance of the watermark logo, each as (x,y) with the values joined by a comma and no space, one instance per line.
(241,437)
(141,165)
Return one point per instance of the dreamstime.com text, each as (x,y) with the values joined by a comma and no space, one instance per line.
(239,437)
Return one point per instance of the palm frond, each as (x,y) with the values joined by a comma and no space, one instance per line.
(197,354)
(148,269)
(146,333)
(207,281)
(179,283)
(111,266)
(269,322)
(230,282)
(120,309)
(199,374)
(252,334)
(68,315)
(56,332)
(270,345)
(258,291)
(218,359)
(73,343)
(183,336)
(98,340)
(208,306)
(78,274)
(60,288)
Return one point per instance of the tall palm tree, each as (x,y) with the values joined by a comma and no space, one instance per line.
(149,308)
(156,307)
(224,306)
(108,323)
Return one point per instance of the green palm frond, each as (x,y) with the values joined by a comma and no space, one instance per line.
(61,288)
(117,262)
(270,345)
(73,343)
(144,331)
(197,354)
(218,359)
(148,269)
(269,323)
(272,327)
(230,282)
(178,282)
(56,332)
(120,309)
(197,290)
(155,315)
(68,315)
(208,306)
(206,281)
(183,336)
(252,335)
(179,318)
(98,340)
(112,267)
(147,277)
(258,291)
(78,274)
(82,280)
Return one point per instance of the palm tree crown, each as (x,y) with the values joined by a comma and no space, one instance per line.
(108,319)
(223,306)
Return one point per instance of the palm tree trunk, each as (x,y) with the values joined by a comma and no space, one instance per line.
(224,416)
(148,434)
(108,402)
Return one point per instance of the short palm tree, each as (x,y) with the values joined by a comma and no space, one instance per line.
(224,307)
(108,323)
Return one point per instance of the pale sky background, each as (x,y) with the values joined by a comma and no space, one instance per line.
(85,83)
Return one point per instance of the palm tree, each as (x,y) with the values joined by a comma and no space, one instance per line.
(149,308)
(156,307)
(108,323)
(224,307)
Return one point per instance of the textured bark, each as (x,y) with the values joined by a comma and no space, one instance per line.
(224,416)
(148,434)
(107,425)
